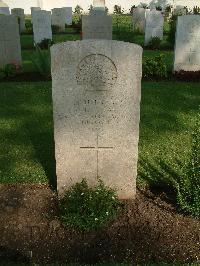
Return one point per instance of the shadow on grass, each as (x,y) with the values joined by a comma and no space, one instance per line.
(26,123)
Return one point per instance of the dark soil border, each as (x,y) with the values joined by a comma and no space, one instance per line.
(148,230)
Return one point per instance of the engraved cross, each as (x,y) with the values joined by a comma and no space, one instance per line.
(97,149)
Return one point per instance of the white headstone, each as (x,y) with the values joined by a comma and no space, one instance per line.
(99,4)
(59,18)
(33,10)
(98,25)
(4,8)
(96,102)
(42,26)
(154,25)
(187,48)
(19,13)
(139,15)
(4,11)
(10,48)
(68,15)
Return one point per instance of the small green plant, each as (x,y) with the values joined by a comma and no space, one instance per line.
(29,27)
(55,29)
(154,67)
(45,44)
(155,43)
(88,208)
(188,187)
(42,62)
(10,70)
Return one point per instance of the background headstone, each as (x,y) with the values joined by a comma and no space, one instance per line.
(139,15)
(19,13)
(42,26)
(96,101)
(10,48)
(4,8)
(59,18)
(33,10)
(99,4)
(154,25)
(187,48)
(68,15)
(98,25)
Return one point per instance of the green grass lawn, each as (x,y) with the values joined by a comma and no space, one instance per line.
(168,110)
(29,67)
(27,42)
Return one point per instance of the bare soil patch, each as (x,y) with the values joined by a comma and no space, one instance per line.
(149,230)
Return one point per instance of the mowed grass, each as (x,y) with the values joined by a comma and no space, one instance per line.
(168,111)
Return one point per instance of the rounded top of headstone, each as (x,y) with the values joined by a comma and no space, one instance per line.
(2,4)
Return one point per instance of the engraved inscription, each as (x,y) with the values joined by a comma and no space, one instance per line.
(97,149)
(97,71)
(95,113)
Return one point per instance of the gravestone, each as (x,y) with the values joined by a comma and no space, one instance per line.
(98,25)
(42,26)
(33,10)
(68,15)
(59,18)
(154,25)
(99,4)
(96,102)
(10,49)
(4,8)
(19,13)
(187,49)
(138,17)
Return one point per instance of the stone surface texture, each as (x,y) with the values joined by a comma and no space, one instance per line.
(96,102)
(187,48)
(42,26)
(10,48)
(154,25)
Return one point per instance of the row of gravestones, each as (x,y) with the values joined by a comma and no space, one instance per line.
(149,21)
(98,25)
(96,101)
(58,17)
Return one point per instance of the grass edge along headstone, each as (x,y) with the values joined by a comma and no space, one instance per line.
(187,50)
(96,90)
